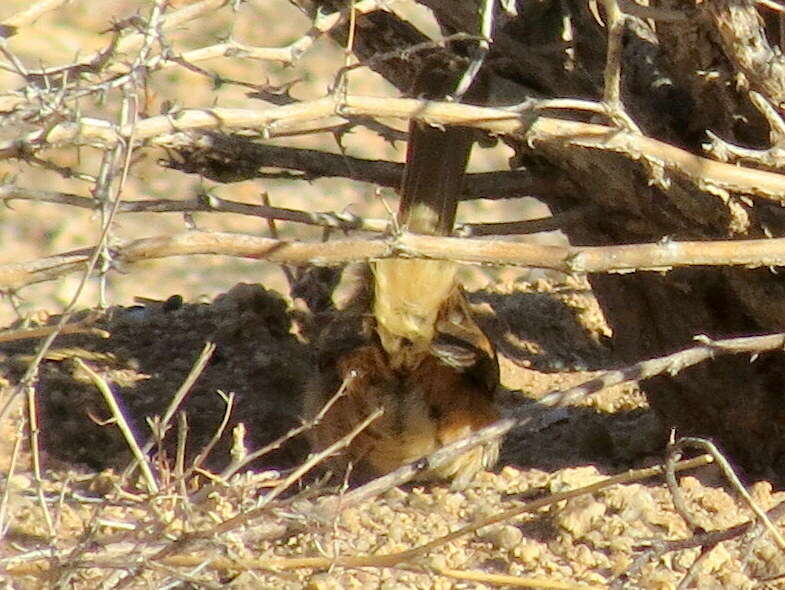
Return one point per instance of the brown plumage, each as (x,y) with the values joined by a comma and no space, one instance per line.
(415,351)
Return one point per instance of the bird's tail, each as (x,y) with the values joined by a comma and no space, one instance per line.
(409,293)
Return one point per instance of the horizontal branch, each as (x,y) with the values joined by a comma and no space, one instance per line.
(597,259)
(330,113)
(208,204)
(331,219)
(567,259)
(233,158)
(671,364)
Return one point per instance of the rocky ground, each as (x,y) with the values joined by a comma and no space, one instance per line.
(105,528)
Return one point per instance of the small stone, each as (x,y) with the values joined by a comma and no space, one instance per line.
(689,483)
(396,532)
(716,558)
(761,494)
(529,551)
(19,482)
(505,537)
(452,503)
(581,515)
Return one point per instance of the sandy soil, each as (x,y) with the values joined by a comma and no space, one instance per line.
(550,335)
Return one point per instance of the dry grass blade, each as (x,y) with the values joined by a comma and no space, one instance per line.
(25,333)
(18,437)
(122,424)
(196,370)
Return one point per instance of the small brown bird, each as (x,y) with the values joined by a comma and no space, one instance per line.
(414,351)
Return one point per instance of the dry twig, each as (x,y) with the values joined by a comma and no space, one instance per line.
(567,259)
(122,423)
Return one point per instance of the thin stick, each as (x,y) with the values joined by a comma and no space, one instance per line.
(35,451)
(481,52)
(287,270)
(179,465)
(194,374)
(35,333)
(730,474)
(122,424)
(203,454)
(673,456)
(671,364)
(18,436)
(343,220)
(612,76)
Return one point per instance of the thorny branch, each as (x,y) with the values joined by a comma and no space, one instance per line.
(343,220)
(327,113)
(567,259)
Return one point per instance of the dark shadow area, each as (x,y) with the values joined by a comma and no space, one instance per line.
(146,358)
(544,331)
(554,331)
(612,442)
